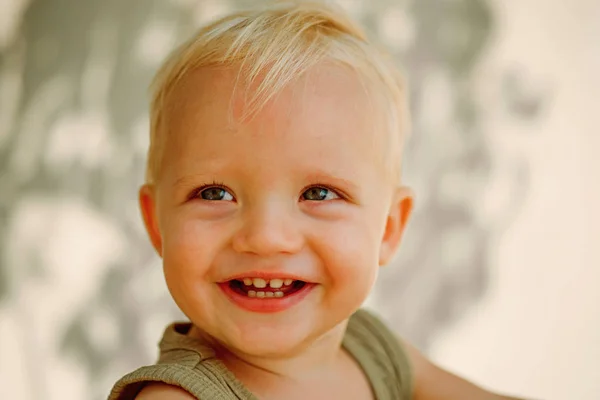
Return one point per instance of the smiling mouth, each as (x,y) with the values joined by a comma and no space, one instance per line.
(266,288)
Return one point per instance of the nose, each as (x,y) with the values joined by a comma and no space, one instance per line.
(268,230)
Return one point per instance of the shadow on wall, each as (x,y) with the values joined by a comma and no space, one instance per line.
(72,151)
(443,265)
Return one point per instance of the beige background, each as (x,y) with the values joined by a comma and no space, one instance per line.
(537,329)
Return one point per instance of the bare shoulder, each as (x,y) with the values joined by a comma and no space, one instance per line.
(432,382)
(162,391)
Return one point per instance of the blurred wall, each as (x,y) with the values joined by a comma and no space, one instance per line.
(537,329)
(498,274)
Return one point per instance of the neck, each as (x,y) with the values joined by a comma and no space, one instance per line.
(306,364)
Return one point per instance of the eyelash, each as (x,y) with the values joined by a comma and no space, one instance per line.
(196,192)
(215,184)
(338,193)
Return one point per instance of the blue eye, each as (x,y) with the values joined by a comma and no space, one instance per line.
(215,194)
(317,193)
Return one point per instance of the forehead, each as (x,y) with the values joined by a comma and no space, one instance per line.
(227,91)
(328,110)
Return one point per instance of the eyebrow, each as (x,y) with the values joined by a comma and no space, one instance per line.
(323,176)
(190,179)
(317,175)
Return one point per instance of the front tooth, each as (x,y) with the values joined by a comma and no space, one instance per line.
(278,294)
(288,282)
(259,283)
(247,281)
(260,294)
(251,293)
(269,294)
(276,283)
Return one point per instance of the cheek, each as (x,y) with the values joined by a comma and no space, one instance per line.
(350,252)
(189,248)
(189,245)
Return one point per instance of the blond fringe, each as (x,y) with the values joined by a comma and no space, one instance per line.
(278,43)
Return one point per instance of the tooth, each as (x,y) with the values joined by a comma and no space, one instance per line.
(251,293)
(247,281)
(259,283)
(275,283)
(288,282)
(269,294)
(260,294)
(278,294)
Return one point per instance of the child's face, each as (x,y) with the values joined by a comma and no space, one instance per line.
(298,192)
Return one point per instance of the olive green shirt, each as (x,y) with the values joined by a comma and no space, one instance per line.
(190,364)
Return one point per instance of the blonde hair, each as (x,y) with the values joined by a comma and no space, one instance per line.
(278,43)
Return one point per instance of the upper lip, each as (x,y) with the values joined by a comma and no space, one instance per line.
(266,275)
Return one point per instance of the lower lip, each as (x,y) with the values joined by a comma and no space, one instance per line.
(266,305)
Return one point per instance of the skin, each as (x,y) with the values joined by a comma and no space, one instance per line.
(316,134)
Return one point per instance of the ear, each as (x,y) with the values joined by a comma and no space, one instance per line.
(398,215)
(147,199)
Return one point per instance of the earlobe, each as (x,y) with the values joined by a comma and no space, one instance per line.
(147,202)
(398,216)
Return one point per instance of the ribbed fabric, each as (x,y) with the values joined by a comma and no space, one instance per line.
(191,365)
(381,356)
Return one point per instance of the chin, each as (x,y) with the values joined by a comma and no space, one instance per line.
(272,341)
